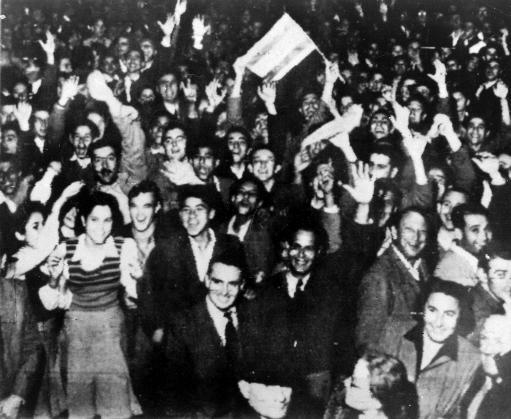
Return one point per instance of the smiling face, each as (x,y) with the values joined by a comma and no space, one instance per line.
(134,61)
(269,401)
(9,179)
(412,234)
(302,253)
(310,107)
(143,209)
(98,224)
(104,163)
(238,146)
(81,140)
(204,163)
(263,165)
(444,209)
(224,284)
(441,313)
(476,132)
(195,216)
(175,144)
(476,233)
(168,88)
(246,199)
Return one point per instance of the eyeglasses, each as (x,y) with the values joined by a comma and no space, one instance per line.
(308,251)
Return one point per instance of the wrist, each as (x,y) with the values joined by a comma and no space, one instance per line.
(442,91)
(270,107)
(497,179)
(24,125)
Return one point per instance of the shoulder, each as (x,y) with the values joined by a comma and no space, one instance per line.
(468,353)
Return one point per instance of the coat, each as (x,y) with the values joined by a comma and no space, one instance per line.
(442,384)
(390,298)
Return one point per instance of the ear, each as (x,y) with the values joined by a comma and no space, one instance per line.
(393,231)
(458,234)
(83,221)
(278,168)
(158,208)
(211,214)
(250,168)
(20,237)
(217,162)
(393,172)
(244,388)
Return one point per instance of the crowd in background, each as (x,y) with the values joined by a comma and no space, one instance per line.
(180,238)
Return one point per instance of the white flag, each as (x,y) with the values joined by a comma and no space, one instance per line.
(283,47)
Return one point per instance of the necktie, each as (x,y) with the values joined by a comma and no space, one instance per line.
(299,292)
(231,340)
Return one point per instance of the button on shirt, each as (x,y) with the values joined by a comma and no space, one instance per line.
(219,319)
(203,256)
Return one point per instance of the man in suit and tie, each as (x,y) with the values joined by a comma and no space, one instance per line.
(203,345)
(177,267)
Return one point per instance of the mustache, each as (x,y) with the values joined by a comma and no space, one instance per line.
(106,172)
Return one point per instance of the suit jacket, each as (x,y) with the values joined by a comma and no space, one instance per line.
(389,298)
(442,384)
(199,377)
(175,283)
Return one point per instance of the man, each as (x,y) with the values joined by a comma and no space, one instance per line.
(238,144)
(492,295)
(203,344)
(251,224)
(391,291)
(472,230)
(488,396)
(308,294)
(177,268)
(450,200)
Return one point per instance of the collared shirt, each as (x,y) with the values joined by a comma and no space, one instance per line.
(243,229)
(85,162)
(292,283)
(219,319)
(36,85)
(413,269)
(203,256)
(238,172)
(172,108)
(39,142)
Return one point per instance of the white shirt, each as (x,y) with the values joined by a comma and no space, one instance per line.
(413,269)
(172,108)
(39,142)
(242,231)
(429,351)
(203,256)
(36,85)
(219,319)
(238,172)
(85,162)
(292,283)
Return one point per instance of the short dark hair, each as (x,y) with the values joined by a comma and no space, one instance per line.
(104,143)
(261,190)
(241,130)
(202,192)
(389,151)
(146,186)
(193,150)
(461,211)
(11,126)
(230,259)
(24,212)
(97,198)
(398,217)
(262,147)
(306,220)
(457,190)
(175,124)
(94,130)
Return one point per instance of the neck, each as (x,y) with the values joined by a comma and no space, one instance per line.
(92,245)
(202,239)
(134,76)
(238,165)
(145,236)
(269,184)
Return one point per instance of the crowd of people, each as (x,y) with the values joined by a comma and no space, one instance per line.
(180,238)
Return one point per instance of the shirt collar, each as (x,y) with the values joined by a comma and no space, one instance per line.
(413,269)
(449,347)
(292,283)
(242,232)
(36,85)
(109,248)
(173,108)
(82,162)
(39,142)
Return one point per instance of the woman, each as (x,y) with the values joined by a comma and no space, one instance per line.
(438,359)
(86,274)
(377,389)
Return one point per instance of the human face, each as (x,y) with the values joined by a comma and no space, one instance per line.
(444,209)
(99,121)
(168,88)
(146,96)
(108,65)
(495,340)
(99,28)
(143,209)
(224,285)
(134,62)
(8,113)
(269,401)
(412,235)
(204,163)
(380,126)
(157,128)
(397,50)
(310,106)
(33,229)
(263,165)
(175,144)
(460,100)
(441,313)
(416,112)
(476,132)
(195,216)
(41,123)
(246,200)
(70,219)
(148,50)
(476,233)
(437,176)
(9,142)
(358,389)
(98,224)
(9,179)
(20,92)
(492,70)
(123,45)
(82,139)
(237,144)
(376,82)
(380,167)
(261,126)
(499,278)
(302,252)
(65,65)
(105,165)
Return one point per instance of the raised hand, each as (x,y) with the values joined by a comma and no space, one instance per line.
(362,190)
(72,189)
(268,92)
(180,9)
(49,45)
(501,90)
(487,162)
(401,120)
(440,73)
(168,26)
(332,72)
(215,98)
(302,160)
(22,112)
(69,89)
(190,91)
(98,89)
(199,30)
(239,66)
(415,145)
